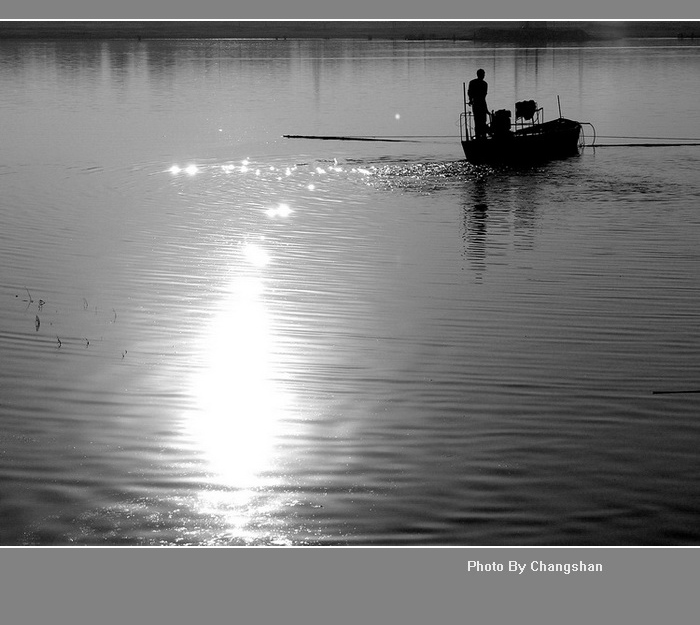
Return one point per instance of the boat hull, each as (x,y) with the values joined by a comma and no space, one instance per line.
(551,140)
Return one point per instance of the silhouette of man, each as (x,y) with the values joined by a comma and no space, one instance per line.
(477,100)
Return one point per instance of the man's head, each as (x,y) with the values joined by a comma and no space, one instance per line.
(480,73)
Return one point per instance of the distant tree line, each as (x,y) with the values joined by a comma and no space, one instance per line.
(535,31)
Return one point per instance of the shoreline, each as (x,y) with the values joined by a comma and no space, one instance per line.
(481,31)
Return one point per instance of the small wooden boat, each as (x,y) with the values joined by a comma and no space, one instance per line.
(528,140)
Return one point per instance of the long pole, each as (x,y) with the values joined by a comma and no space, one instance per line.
(343,138)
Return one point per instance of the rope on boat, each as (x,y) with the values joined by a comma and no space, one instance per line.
(583,136)
(677,141)
(651,138)
(645,145)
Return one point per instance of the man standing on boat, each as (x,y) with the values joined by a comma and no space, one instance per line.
(477,100)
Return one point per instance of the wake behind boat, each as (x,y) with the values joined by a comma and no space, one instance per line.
(528,140)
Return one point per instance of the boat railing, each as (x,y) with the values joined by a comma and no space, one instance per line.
(466,126)
(466,123)
(530,115)
(520,122)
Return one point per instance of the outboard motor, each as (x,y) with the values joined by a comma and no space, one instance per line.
(500,123)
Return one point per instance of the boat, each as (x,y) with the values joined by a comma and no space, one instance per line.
(528,140)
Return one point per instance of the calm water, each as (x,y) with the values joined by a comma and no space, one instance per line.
(213,335)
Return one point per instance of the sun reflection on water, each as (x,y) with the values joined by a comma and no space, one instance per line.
(190,170)
(235,392)
(244,418)
(282,210)
(240,402)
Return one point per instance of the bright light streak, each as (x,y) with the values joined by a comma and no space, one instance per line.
(256,255)
(190,170)
(282,210)
(236,390)
(240,402)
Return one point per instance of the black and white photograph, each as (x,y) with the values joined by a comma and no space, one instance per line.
(350,283)
(302,284)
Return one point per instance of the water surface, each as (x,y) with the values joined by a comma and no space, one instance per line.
(212,335)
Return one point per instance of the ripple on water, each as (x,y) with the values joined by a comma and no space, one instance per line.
(419,352)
